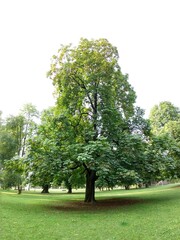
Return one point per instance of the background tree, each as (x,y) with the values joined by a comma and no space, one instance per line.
(165,122)
(161,114)
(44,157)
(30,114)
(8,146)
(14,133)
(1,119)
(15,127)
(13,174)
(47,153)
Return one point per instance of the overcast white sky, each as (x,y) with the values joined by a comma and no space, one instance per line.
(146,33)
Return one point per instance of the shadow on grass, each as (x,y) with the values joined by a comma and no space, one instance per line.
(105,204)
(117,202)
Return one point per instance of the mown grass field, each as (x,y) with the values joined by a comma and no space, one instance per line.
(152,213)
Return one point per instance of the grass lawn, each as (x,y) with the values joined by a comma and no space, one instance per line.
(145,214)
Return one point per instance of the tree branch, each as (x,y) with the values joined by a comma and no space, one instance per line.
(82,85)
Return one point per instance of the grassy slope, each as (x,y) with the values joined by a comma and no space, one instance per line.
(137,214)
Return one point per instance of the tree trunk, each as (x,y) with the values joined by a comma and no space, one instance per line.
(68,184)
(69,189)
(90,186)
(45,188)
(127,187)
(19,189)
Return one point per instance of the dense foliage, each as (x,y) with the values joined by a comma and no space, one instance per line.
(14,134)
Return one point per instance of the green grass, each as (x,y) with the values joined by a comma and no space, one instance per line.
(145,214)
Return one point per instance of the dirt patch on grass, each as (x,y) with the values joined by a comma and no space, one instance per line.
(177,186)
(105,204)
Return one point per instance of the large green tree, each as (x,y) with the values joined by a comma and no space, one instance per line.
(95,101)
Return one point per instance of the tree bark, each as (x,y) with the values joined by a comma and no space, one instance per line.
(19,189)
(68,184)
(45,188)
(69,189)
(127,187)
(90,186)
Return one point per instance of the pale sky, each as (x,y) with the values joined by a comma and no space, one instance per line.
(146,33)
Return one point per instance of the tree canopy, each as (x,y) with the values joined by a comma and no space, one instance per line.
(162,114)
(94,102)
